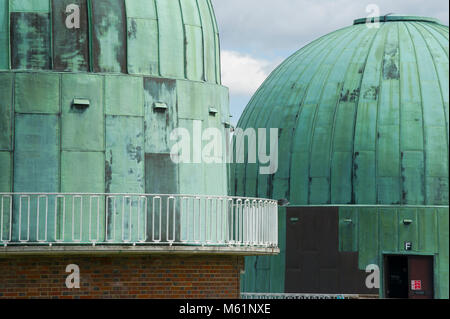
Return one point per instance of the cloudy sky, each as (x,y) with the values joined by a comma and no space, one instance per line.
(257,35)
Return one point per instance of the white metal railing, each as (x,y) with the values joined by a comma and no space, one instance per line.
(296,296)
(138,219)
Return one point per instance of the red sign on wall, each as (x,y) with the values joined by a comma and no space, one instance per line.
(416,284)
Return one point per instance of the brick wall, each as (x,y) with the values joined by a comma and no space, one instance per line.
(122,277)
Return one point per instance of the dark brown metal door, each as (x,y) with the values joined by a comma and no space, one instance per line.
(314,263)
(421,285)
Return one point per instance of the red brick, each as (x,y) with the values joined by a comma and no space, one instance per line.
(142,277)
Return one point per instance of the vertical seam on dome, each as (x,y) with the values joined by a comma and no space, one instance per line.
(50,17)
(400,118)
(356,112)
(335,118)
(60,76)
(155,2)
(274,77)
(9,34)
(89,34)
(298,115)
(13,131)
(203,42)
(425,195)
(218,46)
(438,80)
(377,128)
(291,76)
(268,117)
(276,72)
(247,115)
(215,33)
(440,28)
(316,112)
(125,30)
(434,36)
(184,41)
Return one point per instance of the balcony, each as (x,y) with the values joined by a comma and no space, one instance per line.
(34,223)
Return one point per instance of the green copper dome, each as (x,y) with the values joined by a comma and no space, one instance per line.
(363,118)
(163,38)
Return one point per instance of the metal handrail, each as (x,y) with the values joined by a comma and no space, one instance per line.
(137,219)
(247,295)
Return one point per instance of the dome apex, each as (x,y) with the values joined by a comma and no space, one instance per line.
(399,18)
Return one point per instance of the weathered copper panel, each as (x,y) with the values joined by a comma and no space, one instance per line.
(161,174)
(161,177)
(171,39)
(6,110)
(82,129)
(30,40)
(6,166)
(37,93)
(124,154)
(143,46)
(159,123)
(124,95)
(4,35)
(36,165)
(124,171)
(70,46)
(109,39)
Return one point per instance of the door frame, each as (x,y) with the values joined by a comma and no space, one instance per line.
(384,255)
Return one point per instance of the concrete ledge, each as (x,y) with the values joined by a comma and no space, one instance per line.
(135,250)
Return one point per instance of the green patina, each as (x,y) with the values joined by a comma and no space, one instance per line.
(127,56)
(363,118)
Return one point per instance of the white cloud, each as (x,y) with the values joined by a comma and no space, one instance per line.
(242,73)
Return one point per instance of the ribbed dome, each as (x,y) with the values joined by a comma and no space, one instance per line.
(363,114)
(168,38)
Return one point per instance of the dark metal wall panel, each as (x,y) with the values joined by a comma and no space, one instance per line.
(70,46)
(161,174)
(30,40)
(6,100)
(313,261)
(4,35)
(109,39)
(6,169)
(161,177)
(159,123)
